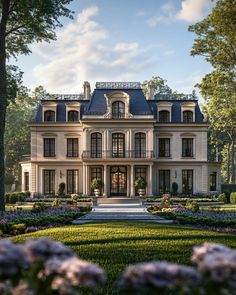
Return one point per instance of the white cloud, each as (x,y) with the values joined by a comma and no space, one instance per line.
(167,15)
(193,10)
(83,51)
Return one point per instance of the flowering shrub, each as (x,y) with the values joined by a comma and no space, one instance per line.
(44,266)
(47,267)
(202,217)
(49,216)
(215,273)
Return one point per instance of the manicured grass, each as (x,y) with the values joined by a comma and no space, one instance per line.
(115,245)
(225,207)
(22,207)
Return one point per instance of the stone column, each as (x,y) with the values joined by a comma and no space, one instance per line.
(150,180)
(105,180)
(87,184)
(84,181)
(132,192)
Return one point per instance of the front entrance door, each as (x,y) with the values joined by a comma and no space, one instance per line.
(118,177)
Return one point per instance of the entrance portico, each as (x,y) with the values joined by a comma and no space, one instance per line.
(118,179)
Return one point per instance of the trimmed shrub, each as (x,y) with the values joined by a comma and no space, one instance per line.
(165,201)
(61,190)
(56,203)
(39,207)
(192,205)
(13,198)
(222,198)
(233,198)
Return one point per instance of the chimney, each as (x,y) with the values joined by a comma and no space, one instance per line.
(150,92)
(87,90)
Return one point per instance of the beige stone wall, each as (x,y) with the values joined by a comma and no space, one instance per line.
(129,127)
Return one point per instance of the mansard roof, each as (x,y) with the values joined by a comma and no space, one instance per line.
(138,104)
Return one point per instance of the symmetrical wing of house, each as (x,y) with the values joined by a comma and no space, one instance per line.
(117,135)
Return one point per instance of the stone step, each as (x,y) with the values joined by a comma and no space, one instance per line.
(118,200)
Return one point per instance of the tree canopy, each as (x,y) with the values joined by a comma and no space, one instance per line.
(23,22)
(216,41)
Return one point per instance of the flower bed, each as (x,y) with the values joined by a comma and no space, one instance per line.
(15,222)
(202,217)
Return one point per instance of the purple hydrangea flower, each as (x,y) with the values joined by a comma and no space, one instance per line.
(159,275)
(45,248)
(13,259)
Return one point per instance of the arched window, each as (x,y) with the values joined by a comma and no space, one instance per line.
(140,145)
(96,145)
(118,145)
(164,116)
(118,109)
(187,116)
(49,116)
(73,116)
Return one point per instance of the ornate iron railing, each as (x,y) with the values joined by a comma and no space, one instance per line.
(118,154)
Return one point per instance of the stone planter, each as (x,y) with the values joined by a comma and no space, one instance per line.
(141,192)
(97,192)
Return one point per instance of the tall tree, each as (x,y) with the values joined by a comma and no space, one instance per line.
(20,112)
(23,22)
(161,89)
(216,42)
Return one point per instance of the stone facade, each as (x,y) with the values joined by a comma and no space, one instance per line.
(118,135)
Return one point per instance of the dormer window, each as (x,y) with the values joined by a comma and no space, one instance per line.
(164,116)
(187,116)
(73,116)
(188,111)
(118,110)
(49,116)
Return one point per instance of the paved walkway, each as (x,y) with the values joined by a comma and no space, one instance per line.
(119,212)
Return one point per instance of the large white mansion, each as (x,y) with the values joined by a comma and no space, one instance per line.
(117,134)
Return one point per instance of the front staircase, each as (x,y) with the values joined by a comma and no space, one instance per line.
(119,200)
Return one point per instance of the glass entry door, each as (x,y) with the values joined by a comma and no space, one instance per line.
(118,177)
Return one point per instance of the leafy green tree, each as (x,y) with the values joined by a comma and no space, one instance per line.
(216,42)
(17,132)
(161,89)
(23,22)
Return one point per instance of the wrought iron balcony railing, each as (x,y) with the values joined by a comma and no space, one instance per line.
(117,154)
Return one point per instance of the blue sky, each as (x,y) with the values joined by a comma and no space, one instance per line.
(120,40)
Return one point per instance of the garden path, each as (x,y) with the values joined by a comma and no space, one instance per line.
(106,212)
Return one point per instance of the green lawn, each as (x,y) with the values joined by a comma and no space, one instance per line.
(225,207)
(22,207)
(117,244)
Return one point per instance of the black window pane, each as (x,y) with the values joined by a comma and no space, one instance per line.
(49,147)
(164,116)
(164,147)
(49,182)
(187,116)
(213,177)
(164,181)
(72,147)
(73,116)
(187,147)
(118,145)
(26,177)
(72,181)
(187,181)
(49,116)
(96,145)
(118,109)
(140,145)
